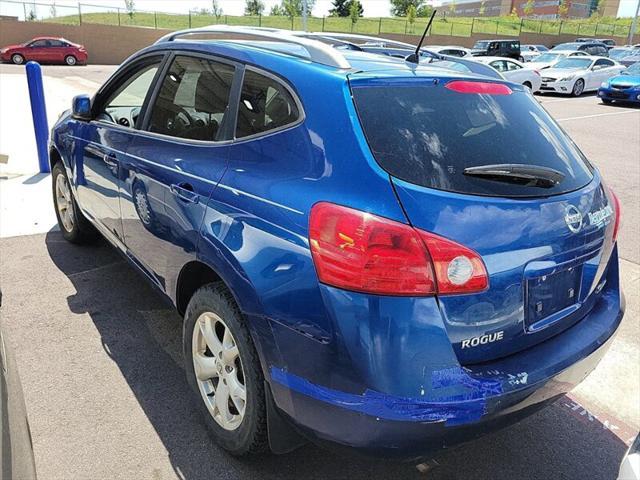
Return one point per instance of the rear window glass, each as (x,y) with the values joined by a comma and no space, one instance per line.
(427,135)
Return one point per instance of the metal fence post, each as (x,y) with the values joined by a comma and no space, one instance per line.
(451,30)
(119,23)
(323,23)
(189,18)
(259,20)
(39,114)
(379,25)
(560,29)
(473,25)
(80,13)
(24,7)
(497,25)
(292,22)
(521,24)
(155,19)
(405,27)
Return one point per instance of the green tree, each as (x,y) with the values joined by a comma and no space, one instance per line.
(514,13)
(399,7)
(411,16)
(31,16)
(293,8)
(216,9)
(130,7)
(277,11)
(53,11)
(342,8)
(424,11)
(527,9)
(563,8)
(355,11)
(253,7)
(482,8)
(598,8)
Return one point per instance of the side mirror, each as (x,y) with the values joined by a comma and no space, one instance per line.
(81,107)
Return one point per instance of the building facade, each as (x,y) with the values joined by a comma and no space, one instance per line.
(544,9)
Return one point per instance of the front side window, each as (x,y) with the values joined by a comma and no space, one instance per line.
(499,65)
(265,105)
(124,104)
(512,66)
(193,99)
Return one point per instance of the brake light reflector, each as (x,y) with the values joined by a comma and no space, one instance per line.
(359,251)
(487,88)
(618,213)
(458,268)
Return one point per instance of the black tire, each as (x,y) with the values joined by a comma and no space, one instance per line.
(528,85)
(578,88)
(606,100)
(70,60)
(17,59)
(250,437)
(82,231)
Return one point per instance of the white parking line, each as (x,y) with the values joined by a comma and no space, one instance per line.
(596,115)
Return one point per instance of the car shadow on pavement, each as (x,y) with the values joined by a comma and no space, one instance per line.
(141,334)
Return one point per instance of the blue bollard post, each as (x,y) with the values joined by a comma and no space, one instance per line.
(39,114)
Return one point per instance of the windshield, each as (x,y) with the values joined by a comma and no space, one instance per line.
(567,46)
(574,62)
(548,57)
(633,69)
(542,48)
(481,45)
(426,134)
(619,53)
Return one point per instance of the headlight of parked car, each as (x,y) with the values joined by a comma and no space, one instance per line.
(569,77)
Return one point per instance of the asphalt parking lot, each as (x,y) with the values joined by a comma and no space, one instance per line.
(99,354)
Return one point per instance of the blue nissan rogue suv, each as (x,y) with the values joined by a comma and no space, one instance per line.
(368,253)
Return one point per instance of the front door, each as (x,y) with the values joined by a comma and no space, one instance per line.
(175,163)
(106,140)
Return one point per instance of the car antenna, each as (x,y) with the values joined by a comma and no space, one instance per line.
(415,57)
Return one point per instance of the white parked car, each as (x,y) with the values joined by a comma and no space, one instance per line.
(630,467)
(549,59)
(530,52)
(575,75)
(451,50)
(514,71)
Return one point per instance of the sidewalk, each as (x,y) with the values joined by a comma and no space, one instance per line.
(26,205)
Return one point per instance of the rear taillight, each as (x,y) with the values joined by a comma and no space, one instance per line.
(359,251)
(617,212)
(487,88)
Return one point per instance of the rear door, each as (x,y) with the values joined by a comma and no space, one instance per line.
(57,51)
(544,245)
(175,163)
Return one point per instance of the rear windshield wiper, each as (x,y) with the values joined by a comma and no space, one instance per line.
(527,175)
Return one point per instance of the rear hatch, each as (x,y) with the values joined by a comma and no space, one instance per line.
(544,234)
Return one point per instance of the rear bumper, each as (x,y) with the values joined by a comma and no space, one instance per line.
(468,401)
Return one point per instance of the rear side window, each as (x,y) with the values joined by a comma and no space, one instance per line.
(428,135)
(193,99)
(265,105)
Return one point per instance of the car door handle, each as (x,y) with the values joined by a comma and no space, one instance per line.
(110,160)
(184,191)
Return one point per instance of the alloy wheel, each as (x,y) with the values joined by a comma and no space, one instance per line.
(218,370)
(578,88)
(17,59)
(64,203)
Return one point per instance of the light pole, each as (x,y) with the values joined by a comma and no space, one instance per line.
(304,15)
(632,30)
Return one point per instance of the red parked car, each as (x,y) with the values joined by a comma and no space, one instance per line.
(45,50)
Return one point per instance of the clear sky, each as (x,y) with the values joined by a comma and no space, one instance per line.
(372,8)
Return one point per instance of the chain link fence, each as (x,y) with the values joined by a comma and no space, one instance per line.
(456,26)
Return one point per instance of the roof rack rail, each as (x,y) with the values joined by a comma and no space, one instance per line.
(318,51)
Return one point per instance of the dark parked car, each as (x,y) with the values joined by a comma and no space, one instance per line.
(45,50)
(596,49)
(498,48)
(16,446)
(607,41)
(391,257)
